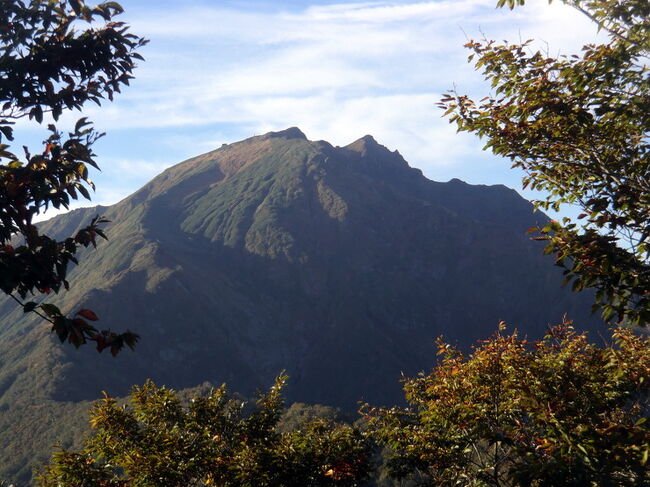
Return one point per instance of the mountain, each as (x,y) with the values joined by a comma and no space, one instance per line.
(339,265)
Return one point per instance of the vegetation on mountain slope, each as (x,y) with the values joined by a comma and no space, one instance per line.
(277,230)
(281,253)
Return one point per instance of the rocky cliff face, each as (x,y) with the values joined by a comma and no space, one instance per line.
(339,265)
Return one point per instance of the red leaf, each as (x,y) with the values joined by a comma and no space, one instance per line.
(88,314)
(102,343)
(81,324)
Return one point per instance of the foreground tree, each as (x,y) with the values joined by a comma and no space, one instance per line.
(158,442)
(560,411)
(48,66)
(579,127)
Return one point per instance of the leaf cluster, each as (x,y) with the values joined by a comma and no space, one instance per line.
(48,65)
(579,127)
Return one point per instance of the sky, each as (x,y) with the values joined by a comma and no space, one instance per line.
(218,71)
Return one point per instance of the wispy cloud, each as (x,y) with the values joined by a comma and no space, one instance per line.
(338,71)
(127,168)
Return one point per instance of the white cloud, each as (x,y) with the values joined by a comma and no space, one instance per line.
(393,11)
(367,46)
(337,71)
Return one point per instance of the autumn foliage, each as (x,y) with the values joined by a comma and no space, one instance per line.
(217,440)
(559,411)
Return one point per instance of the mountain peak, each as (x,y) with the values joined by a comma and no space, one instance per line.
(290,133)
(281,253)
(369,139)
(367,145)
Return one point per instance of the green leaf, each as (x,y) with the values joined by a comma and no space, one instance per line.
(50,310)
(7,132)
(60,327)
(82,122)
(76,6)
(82,189)
(37,113)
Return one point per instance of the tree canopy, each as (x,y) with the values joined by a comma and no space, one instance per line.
(217,440)
(559,411)
(56,56)
(579,127)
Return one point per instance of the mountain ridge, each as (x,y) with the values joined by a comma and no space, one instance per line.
(285,182)
(338,264)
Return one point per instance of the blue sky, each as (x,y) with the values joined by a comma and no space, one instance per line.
(221,71)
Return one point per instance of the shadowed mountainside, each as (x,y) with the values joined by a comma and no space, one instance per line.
(339,265)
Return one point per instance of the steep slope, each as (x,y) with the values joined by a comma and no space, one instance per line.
(339,265)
